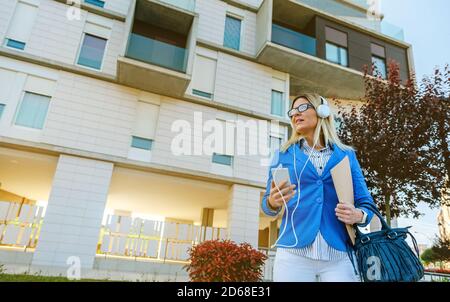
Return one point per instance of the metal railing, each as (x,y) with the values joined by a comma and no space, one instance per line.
(435,277)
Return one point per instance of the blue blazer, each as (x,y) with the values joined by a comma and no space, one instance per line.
(318,199)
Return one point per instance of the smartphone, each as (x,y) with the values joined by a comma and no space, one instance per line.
(279,175)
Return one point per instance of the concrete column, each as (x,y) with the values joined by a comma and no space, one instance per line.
(207,217)
(243,214)
(273,232)
(74,213)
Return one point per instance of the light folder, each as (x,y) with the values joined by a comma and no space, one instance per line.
(343,183)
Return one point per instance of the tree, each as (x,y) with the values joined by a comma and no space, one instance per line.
(441,250)
(428,256)
(389,133)
(435,94)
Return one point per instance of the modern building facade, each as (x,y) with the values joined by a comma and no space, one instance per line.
(95,94)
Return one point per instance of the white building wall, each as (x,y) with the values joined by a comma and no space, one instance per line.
(74,213)
(170,111)
(91,115)
(243,214)
(114,48)
(15,74)
(211,23)
(6,13)
(58,38)
(98,116)
(211,27)
(243,84)
(54,36)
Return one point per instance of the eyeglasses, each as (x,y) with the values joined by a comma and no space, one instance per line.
(300,108)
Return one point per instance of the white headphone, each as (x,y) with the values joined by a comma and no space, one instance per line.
(323,110)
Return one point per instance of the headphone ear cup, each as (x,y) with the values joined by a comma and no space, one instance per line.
(323,111)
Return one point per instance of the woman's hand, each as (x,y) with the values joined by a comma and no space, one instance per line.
(275,199)
(348,214)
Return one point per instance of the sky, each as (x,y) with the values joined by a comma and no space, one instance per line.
(427,27)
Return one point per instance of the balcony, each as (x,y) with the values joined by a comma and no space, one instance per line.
(156,52)
(160,49)
(287,40)
(356,15)
(294,40)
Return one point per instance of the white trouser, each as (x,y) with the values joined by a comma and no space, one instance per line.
(289,267)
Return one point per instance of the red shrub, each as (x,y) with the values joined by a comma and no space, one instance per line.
(225,261)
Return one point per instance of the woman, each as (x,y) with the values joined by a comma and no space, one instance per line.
(313,242)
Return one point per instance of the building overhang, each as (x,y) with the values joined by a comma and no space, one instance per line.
(312,74)
(152,78)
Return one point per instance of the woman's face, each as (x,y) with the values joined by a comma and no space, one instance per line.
(306,121)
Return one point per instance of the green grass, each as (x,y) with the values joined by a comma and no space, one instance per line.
(37,278)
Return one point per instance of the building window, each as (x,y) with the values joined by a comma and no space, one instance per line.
(22,22)
(15,44)
(202,93)
(141,143)
(99,3)
(336,46)
(232,37)
(378,60)
(222,159)
(274,143)
(145,125)
(336,54)
(379,67)
(224,152)
(277,104)
(2,108)
(33,110)
(203,77)
(92,51)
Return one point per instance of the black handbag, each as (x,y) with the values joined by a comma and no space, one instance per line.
(385,256)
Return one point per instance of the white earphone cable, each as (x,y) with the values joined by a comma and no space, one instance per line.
(298,177)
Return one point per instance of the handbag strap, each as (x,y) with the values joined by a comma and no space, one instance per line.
(371,206)
(385,226)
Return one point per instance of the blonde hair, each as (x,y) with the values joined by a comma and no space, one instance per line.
(325,127)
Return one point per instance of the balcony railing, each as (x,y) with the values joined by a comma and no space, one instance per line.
(354,15)
(184,4)
(293,39)
(20,224)
(157,240)
(156,52)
